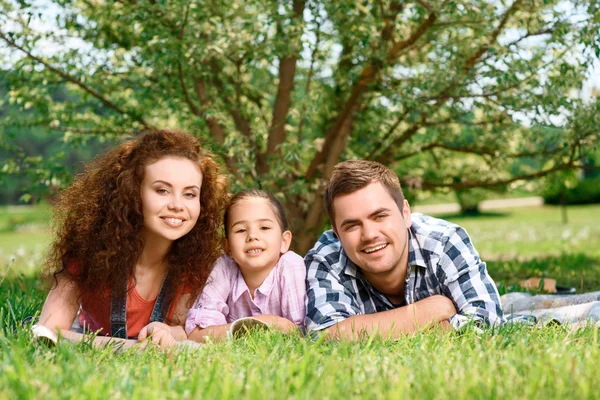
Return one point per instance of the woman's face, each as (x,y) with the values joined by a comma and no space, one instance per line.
(170,193)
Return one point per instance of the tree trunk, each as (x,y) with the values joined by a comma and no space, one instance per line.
(312,223)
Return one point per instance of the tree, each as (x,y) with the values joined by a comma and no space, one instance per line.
(283,90)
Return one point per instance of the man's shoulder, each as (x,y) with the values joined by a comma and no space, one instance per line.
(427,226)
(327,250)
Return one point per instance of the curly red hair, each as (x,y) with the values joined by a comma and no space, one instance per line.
(98,220)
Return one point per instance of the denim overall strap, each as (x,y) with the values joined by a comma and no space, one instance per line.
(159,312)
(118,316)
(118,311)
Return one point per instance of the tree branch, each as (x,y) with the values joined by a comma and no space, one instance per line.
(471,61)
(569,164)
(472,150)
(385,154)
(416,35)
(287,73)
(311,71)
(428,185)
(88,131)
(215,129)
(193,108)
(241,123)
(474,22)
(79,83)
(498,120)
(344,122)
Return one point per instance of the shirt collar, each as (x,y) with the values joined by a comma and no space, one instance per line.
(240,286)
(267,285)
(415,253)
(350,268)
(354,271)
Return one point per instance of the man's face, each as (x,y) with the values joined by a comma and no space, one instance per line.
(372,230)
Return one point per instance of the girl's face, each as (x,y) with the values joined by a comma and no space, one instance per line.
(170,195)
(255,240)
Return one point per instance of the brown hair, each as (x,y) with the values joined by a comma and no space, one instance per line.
(99,218)
(352,175)
(273,202)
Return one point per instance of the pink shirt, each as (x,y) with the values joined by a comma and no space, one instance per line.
(226,296)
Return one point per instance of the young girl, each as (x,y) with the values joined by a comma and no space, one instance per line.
(257,277)
(136,239)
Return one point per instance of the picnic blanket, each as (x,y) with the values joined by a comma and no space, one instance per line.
(563,309)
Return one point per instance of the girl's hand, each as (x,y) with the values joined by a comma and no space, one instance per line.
(277,322)
(158,333)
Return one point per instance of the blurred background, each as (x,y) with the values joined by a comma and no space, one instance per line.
(488,111)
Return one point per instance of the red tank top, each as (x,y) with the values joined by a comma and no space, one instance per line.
(94,315)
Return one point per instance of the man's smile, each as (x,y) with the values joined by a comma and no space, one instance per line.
(373,249)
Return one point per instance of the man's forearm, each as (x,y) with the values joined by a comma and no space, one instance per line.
(395,323)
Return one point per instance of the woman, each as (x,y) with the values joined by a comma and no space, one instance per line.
(137,234)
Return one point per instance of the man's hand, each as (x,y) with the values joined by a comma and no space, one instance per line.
(157,333)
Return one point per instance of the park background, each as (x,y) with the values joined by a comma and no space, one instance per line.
(465,100)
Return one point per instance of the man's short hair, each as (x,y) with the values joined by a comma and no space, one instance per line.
(352,175)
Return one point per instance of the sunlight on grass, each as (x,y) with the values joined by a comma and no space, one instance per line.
(514,363)
(526,232)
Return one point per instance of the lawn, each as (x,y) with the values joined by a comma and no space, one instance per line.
(523,242)
(513,362)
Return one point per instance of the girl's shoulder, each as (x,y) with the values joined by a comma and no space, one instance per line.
(291,259)
(225,266)
(225,263)
(291,273)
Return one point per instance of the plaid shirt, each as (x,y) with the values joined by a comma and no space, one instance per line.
(441,260)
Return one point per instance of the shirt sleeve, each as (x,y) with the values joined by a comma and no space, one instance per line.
(293,290)
(210,308)
(327,300)
(466,282)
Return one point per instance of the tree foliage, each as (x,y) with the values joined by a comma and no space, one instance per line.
(451,94)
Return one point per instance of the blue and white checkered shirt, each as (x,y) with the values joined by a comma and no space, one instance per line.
(441,260)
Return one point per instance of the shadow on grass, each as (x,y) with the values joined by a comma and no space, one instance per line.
(577,270)
(483,214)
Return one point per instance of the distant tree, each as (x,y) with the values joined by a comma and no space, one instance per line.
(283,90)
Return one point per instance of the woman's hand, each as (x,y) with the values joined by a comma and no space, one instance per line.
(157,333)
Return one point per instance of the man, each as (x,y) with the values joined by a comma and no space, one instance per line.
(384,270)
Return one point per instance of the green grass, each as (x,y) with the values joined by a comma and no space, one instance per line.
(520,233)
(23,218)
(523,242)
(514,362)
